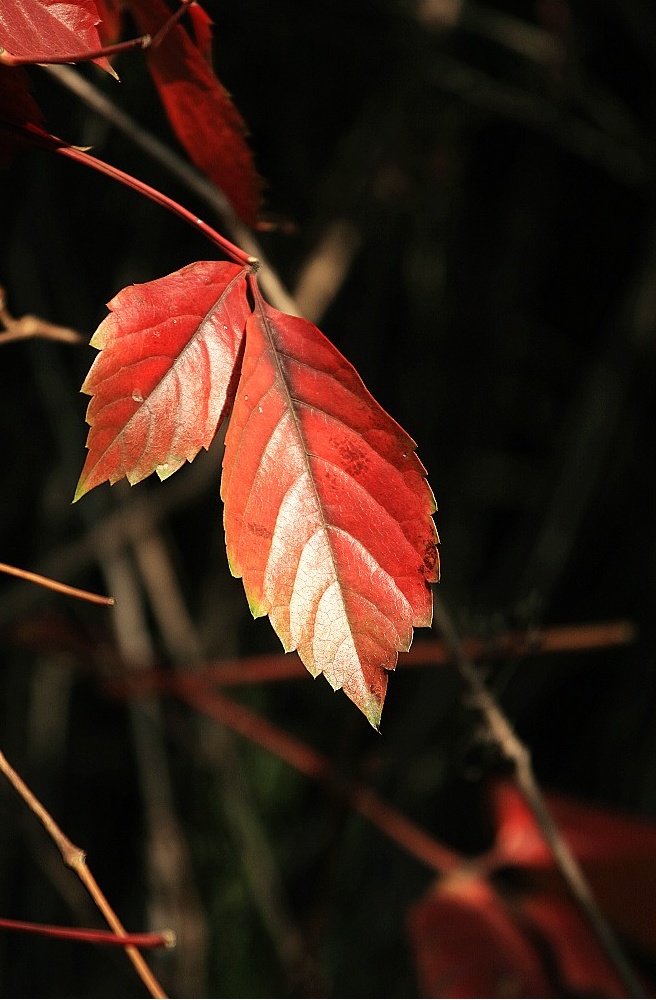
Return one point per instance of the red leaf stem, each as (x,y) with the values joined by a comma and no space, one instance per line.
(232,251)
(164,940)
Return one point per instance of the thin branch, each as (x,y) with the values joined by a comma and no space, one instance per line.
(74,858)
(285,666)
(184,172)
(502,733)
(7,59)
(60,588)
(87,936)
(28,327)
(80,156)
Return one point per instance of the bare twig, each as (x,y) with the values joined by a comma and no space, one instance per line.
(60,588)
(326,268)
(28,327)
(74,858)
(502,733)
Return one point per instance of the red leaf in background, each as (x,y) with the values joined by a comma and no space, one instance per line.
(617,854)
(466,944)
(50,30)
(471,940)
(577,960)
(327,509)
(202,25)
(200,110)
(165,376)
(111,20)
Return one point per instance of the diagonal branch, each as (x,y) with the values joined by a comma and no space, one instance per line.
(74,858)
(502,733)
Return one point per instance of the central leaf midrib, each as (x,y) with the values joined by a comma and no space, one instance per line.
(306,461)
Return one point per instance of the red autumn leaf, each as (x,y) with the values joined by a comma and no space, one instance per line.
(327,509)
(467,943)
(50,30)
(165,376)
(200,110)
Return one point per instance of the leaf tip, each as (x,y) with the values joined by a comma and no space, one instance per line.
(80,490)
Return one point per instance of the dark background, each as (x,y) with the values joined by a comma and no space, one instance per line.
(492,167)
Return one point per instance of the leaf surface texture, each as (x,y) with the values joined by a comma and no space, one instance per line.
(327,509)
(165,375)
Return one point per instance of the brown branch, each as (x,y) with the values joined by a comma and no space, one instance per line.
(502,733)
(60,588)
(285,666)
(28,327)
(74,858)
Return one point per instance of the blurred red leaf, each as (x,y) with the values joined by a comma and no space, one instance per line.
(202,25)
(200,110)
(50,30)
(111,20)
(466,943)
(327,509)
(165,376)
(578,964)
(474,938)
(617,854)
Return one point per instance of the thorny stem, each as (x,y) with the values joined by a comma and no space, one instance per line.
(74,858)
(61,588)
(504,736)
(232,251)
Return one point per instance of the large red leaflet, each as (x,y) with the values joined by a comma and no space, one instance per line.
(200,110)
(49,30)
(327,509)
(166,373)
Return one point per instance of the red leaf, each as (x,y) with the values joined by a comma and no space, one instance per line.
(327,509)
(200,110)
(50,30)
(467,944)
(165,376)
